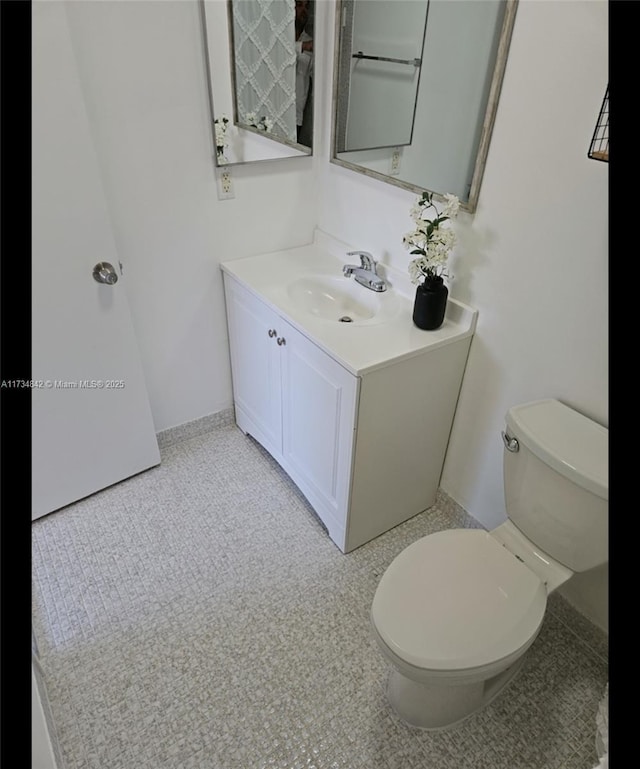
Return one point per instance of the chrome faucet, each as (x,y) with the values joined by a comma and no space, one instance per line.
(365,274)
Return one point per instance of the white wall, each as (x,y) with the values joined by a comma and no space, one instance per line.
(533,259)
(142,67)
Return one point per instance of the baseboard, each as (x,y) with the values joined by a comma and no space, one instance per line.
(200,426)
(460,516)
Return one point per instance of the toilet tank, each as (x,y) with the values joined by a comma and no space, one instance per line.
(556,481)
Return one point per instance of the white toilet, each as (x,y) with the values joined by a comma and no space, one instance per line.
(455,612)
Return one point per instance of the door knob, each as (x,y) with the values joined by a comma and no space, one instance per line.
(104,272)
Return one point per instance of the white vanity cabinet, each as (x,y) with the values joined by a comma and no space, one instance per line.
(359,416)
(295,400)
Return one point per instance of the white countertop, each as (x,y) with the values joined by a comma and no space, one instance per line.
(360,348)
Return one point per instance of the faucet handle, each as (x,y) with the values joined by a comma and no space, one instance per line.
(366,259)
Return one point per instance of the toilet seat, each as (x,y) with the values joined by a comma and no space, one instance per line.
(457,600)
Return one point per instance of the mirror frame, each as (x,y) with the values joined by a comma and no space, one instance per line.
(300,150)
(487,125)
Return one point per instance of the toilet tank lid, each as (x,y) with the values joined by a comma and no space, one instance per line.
(569,442)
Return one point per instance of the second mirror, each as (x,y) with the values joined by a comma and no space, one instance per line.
(272,67)
(259,64)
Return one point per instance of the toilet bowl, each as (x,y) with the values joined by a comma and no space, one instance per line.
(455,612)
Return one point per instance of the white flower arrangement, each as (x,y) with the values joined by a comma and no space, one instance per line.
(430,240)
(262,124)
(222,140)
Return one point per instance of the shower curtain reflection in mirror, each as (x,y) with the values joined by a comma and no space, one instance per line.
(264,59)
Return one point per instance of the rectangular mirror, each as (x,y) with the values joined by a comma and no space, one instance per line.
(415,90)
(259,62)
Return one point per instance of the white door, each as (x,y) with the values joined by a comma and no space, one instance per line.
(91,419)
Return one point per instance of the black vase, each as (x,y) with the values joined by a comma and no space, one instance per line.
(430,304)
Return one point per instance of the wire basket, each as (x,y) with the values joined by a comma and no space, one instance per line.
(599,148)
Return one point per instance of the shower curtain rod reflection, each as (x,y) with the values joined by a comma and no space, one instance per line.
(411,62)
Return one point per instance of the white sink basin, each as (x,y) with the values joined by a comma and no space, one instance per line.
(341,299)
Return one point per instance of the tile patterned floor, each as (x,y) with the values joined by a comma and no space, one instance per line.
(197,616)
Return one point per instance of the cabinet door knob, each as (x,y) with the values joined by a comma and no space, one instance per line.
(272,332)
(281,340)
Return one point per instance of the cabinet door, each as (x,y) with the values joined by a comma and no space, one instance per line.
(255,366)
(318,414)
